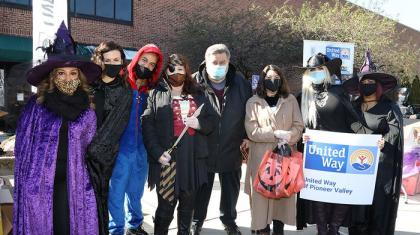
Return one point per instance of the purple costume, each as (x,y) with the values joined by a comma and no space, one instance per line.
(36,153)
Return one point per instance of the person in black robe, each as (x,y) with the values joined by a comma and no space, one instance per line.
(171,107)
(112,99)
(325,107)
(374,107)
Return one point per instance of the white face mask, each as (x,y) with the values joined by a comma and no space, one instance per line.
(217,72)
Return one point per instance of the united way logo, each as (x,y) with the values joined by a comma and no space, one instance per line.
(362,159)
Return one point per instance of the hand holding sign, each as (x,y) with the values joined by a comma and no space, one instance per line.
(305,138)
(381,143)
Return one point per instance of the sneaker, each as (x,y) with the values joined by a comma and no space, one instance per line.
(136,231)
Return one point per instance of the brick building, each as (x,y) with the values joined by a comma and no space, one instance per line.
(131,23)
(147,21)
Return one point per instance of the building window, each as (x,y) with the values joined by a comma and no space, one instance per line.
(86,7)
(24,3)
(122,8)
(119,10)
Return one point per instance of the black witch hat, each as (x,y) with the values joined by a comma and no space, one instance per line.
(368,70)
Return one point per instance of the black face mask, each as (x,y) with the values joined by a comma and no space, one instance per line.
(318,87)
(112,70)
(368,89)
(272,85)
(143,72)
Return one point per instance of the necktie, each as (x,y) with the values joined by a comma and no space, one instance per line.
(167,182)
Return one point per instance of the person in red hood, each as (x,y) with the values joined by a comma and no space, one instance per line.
(130,170)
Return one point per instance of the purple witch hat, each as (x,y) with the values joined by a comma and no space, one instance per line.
(368,71)
(62,53)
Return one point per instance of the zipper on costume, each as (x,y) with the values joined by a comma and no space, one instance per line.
(138,100)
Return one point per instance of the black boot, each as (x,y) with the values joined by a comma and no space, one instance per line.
(232,229)
(136,231)
(322,229)
(264,231)
(359,229)
(162,225)
(333,229)
(196,227)
(278,227)
(184,222)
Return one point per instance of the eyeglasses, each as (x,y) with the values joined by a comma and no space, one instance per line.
(272,77)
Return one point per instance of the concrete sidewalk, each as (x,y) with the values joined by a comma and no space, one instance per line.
(408,221)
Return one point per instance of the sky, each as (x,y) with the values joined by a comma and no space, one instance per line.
(406,12)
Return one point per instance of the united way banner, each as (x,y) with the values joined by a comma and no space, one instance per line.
(340,167)
(342,50)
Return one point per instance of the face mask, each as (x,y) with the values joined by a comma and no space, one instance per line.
(112,70)
(272,85)
(368,89)
(176,80)
(217,72)
(318,87)
(67,87)
(317,77)
(143,72)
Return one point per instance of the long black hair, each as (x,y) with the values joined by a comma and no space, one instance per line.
(283,90)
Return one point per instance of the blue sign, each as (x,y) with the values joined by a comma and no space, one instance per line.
(340,158)
(254,81)
(338,52)
(326,157)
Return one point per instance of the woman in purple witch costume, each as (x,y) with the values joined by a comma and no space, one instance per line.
(53,193)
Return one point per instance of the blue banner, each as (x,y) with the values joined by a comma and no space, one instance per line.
(340,158)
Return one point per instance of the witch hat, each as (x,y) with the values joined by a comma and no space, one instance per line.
(62,53)
(368,70)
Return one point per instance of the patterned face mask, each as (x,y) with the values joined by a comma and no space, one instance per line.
(67,87)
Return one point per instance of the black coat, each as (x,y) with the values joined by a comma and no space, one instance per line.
(337,115)
(224,142)
(112,108)
(381,215)
(158,136)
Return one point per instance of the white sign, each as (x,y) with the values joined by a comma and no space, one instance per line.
(340,167)
(47,17)
(342,50)
(1,87)
(254,81)
(20,97)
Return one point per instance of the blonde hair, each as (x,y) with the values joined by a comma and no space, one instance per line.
(48,85)
(308,107)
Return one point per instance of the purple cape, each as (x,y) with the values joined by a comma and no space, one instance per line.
(36,153)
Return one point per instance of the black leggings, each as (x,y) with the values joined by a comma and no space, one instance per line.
(164,213)
(61,220)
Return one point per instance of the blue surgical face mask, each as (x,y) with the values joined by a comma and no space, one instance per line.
(317,77)
(217,72)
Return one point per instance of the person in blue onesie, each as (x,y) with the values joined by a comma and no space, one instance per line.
(130,170)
